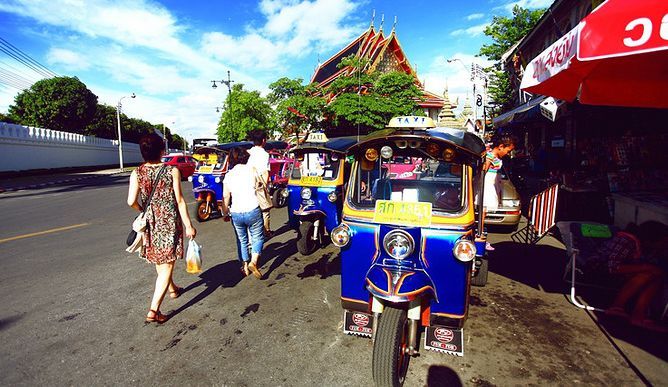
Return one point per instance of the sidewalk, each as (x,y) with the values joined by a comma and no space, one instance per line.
(44,179)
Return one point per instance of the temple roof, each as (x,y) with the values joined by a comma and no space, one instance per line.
(383,53)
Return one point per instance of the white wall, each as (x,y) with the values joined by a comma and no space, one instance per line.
(23,147)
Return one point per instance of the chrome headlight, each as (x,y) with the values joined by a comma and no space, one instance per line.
(510,203)
(340,235)
(217,180)
(464,250)
(386,152)
(285,193)
(332,196)
(190,178)
(306,193)
(200,179)
(398,244)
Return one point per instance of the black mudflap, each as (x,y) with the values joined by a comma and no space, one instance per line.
(446,340)
(357,323)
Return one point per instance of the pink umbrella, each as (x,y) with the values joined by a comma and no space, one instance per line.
(616,56)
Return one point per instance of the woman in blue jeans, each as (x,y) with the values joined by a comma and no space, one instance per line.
(239,191)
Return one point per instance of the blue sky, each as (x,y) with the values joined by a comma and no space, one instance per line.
(167,52)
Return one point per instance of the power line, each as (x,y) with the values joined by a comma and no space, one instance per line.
(32,63)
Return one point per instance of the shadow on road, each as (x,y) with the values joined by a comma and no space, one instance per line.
(323,267)
(538,266)
(224,275)
(438,376)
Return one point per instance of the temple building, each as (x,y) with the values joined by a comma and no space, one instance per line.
(383,53)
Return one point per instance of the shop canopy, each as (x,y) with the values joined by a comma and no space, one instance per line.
(519,114)
(616,56)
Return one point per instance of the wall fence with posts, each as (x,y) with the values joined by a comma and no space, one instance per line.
(24,148)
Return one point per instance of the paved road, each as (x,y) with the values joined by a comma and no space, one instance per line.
(73,304)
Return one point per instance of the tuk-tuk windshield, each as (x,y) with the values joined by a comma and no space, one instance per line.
(321,164)
(409,179)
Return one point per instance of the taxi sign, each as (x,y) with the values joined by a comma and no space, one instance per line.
(317,137)
(411,122)
(205,169)
(404,213)
(311,181)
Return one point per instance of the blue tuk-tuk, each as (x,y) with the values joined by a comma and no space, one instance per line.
(213,163)
(315,188)
(410,242)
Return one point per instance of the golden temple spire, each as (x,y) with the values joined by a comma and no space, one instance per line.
(373,16)
(382,20)
(394,26)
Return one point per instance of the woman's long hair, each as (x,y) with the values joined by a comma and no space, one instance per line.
(238,155)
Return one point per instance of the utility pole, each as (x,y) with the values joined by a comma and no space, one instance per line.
(228,83)
(118,122)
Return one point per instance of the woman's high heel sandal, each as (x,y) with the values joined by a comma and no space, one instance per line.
(176,292)
(157,317)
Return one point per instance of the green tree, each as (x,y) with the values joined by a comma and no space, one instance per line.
(506,31)
(60,103)
(103,124)
(244,111)
(369,100)
(296,107)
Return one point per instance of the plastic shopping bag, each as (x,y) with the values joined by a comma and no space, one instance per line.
(194,258)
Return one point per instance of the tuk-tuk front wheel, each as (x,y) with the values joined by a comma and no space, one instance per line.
(480,279)
(390,355)
(305,243)
(203,211)
(277,199)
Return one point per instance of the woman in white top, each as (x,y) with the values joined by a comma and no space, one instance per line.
(239,191)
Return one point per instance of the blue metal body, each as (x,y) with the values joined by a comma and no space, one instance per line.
(207,185)
(431,270)
(318,205)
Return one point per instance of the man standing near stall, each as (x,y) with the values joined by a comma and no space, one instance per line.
(259,159)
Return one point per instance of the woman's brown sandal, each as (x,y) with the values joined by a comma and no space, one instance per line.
(157,317)
(256,272)
(244,270)
(176,292)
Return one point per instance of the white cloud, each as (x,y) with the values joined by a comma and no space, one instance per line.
(68,59)
(529,4)
(471,31)
(124,46)
(475,16)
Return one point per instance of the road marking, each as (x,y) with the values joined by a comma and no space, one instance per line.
(43,232)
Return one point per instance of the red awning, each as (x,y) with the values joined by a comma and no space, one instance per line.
(617,56)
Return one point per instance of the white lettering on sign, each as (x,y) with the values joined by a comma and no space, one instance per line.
(646,25)
(663,31)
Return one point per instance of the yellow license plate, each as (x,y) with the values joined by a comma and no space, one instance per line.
(311,181)
(205,169)
(403,213)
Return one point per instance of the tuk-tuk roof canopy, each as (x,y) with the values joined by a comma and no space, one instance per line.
(337,144)
(270,145)
(461,139)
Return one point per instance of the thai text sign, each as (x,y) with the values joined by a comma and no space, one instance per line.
(403,213)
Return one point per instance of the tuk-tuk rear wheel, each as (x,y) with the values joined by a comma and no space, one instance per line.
(203,213)
(305,243)
(278,199)
(390,355)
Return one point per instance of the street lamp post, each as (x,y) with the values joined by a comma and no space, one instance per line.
(118,121)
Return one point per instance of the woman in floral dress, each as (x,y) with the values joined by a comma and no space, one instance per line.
(166,218)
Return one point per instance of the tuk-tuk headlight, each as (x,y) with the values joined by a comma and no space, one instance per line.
(200,179)
(448,154)
(306,193)
(340,235)
(190,179)
(217,180)
(371,154)
(332,196)
(464,250)
(386,152)
(285,193)
(398,244)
